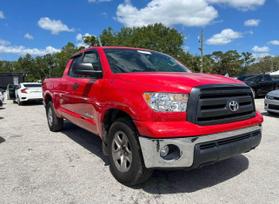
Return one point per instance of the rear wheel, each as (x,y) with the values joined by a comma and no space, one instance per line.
(126,163)
(18,101)
(55,123)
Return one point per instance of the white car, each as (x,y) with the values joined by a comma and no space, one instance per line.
(272,102)
(29,92)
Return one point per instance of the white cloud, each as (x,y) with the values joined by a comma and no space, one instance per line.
(274,42)
(240,4)
(2,16)
(55,26)
(258,49)
(184,12)
(224,37)
(79,39)
(28,36)
(4,42)
(7,48)
(259,55)
(98,1)
(252,22)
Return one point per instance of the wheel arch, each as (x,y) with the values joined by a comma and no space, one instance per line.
(108,118)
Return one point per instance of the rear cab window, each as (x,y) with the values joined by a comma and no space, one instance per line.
(32,85)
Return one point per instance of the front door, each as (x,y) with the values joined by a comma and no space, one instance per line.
(80,101)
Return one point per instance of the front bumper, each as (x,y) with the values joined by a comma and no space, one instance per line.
(271,105)
(200,150)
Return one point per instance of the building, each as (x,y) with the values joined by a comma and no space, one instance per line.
(10,78)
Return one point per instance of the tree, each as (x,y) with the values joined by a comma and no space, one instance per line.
(90,40)
(229,62)
(247,59)
(156,37)
(108,37)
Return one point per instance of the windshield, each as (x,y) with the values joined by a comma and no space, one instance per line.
(128,60)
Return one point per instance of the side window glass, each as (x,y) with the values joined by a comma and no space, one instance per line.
(92,58)
(267,78)
(76,60)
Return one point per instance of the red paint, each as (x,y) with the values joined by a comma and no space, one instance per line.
(125,92)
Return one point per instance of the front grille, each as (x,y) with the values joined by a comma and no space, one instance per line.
(230,140)
(209,105)
(274,107)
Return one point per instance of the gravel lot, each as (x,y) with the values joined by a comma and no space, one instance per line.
(38,166)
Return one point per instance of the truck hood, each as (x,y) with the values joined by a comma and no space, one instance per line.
(178,80)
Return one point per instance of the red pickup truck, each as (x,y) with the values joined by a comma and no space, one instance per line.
(151,112)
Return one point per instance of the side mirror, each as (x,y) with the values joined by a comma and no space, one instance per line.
(87,69)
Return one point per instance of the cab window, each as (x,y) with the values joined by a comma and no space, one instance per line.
(91,57)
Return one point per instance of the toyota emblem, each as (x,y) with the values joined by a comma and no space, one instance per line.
(233,106)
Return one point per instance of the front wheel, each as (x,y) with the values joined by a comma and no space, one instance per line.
(126,163)
(55,123)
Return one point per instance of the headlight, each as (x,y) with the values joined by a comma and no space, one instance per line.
(166,102)
(269,97)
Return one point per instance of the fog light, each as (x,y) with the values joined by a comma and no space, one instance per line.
(164,151)
(170,152)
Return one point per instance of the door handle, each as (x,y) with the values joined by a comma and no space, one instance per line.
(75,86)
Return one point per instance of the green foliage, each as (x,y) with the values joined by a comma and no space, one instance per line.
(156,37)
(266,64)
(90,40)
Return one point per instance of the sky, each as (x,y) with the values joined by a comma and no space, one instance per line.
(39,27)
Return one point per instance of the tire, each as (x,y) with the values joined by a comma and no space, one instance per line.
(132,171)
(18,101)
(55,123)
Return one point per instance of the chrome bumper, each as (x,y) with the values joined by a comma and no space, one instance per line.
(188,146)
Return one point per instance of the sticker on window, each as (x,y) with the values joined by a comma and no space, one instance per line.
(144,52)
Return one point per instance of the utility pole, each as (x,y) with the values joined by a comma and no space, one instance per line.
(272,66)
(201,48)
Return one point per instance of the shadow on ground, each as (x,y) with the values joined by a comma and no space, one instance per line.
(2,140)
(168,182)
(86,139)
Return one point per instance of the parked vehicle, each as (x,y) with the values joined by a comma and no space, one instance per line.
(151,112)
(261,84)
(29,92)
(11,89)
(2,98)
(272,102)
(243,77)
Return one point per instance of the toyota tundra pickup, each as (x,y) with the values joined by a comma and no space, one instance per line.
(151,112)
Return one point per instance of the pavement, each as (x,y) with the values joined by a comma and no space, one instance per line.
(39,166)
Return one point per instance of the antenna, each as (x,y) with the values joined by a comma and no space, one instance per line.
(201,48)
(99,41)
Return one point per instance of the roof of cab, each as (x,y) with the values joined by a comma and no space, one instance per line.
(107,47)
